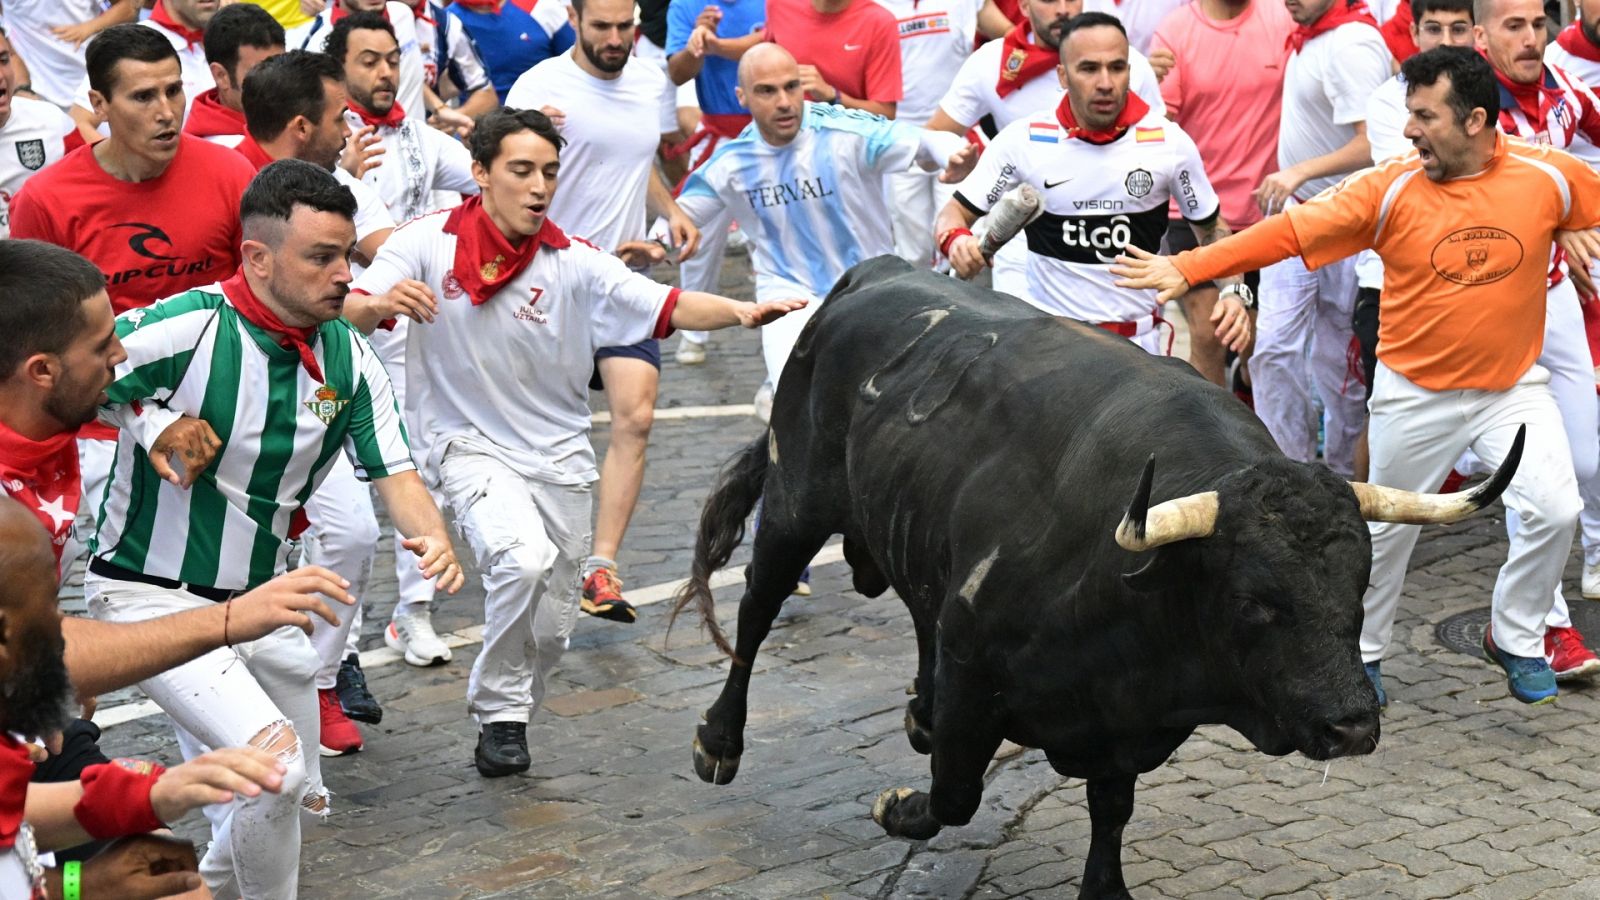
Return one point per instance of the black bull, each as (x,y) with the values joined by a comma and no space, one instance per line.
(978,455)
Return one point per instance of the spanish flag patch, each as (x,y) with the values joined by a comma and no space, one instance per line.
(1149,135)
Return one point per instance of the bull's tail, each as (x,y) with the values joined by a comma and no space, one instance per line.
(737,489)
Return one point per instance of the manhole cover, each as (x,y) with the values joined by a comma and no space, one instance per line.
(1463,632)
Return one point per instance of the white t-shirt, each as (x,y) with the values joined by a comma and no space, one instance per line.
(1098,199)
(408,93)
(372,215)
(935,38)
(510,377)
(417,160)
(1325,91)
(1386,122)
(1139,17)
(972,94)
(55,66)
(611,144)
(33,137)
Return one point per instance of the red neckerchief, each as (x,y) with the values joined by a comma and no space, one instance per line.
(1021,60)
(1134,110)
(485,261)
(209,118)
(238,292)
(250,150)
(1574,41)
(393,118)
(1397,32)
(191,36)
(1534,100)
(43,476)
(339,12)
(482,6)
(15,770)
(420,10)
(1335,16)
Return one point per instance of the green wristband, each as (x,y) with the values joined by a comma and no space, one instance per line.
(72,881)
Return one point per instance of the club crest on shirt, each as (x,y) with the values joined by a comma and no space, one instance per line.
(1477,256)
(31,153)
(1013,64)
(135,316)
(491,269)
(325,404)
(1139,183)
(452,287)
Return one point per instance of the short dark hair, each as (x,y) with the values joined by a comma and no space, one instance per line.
(494,127)
(42,289)
(1090,20)
(281,186)
(339,38)
(240,25)
(119,42)
(1423,7)
(285,86)
(1472,81)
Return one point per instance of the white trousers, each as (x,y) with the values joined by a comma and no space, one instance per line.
(95,458)
(1415,437)
(778,338)
(703,271)
(1303,339)
(529,539)
(227,698)
(343,537)
(915,198)
(416,592)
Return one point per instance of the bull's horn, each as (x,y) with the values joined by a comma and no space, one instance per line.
(1144,528)
(1386,504)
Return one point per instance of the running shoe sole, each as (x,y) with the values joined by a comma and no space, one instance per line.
(393,642)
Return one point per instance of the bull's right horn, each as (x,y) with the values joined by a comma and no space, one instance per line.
(1386,504)
(1178,519)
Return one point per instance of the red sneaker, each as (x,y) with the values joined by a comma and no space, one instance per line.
(339,734)
(1568,657)
(602,598)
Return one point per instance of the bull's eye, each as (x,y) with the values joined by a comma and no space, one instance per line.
(1257,611)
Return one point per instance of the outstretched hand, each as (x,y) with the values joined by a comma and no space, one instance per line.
(960,164)
(755,315)
(1140,269)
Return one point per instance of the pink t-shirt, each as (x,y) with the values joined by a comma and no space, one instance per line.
(1226,91)
(857,50)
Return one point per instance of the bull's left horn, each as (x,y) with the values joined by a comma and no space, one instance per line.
(1178,519)
(1386,504)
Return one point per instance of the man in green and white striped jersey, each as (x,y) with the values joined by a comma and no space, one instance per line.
(266,361)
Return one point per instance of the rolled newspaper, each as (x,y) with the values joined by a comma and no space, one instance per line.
(1016,209)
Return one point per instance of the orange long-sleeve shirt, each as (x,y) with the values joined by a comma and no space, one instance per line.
(1465,260)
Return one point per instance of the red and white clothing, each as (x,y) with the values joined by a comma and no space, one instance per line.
(417,160)
(499,418)
(1562,111)
(372,215)
(191,58)
(1573,53)
(209,119)
(1326,84)
(35,135)
(408,92)
(1141,18)
(43,476)
(857,51)
(55,66)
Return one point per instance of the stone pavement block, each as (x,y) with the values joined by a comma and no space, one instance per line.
(693,877)
(582,703)
(1283,879)
(933,876)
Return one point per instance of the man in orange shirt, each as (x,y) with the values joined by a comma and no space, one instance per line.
(1465,251)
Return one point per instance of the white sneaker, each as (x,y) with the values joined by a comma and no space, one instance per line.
(1591,580)
(414,636)
(763,403)
(691,353)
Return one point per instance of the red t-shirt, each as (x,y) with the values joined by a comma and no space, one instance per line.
(857,50)
(152,239)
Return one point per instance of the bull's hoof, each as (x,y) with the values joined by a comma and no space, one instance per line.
(903,813)
(713,769)
(921,738)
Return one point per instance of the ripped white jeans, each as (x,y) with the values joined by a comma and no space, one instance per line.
(233,697)
(528,538)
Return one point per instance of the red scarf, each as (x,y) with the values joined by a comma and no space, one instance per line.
(420,10)
(1397,32)
(209,118)
(15,770)
(1134,110)
(1335,16)
(1534,100)
(1021,60)
(1574,41)
(191,36)
(481,6)
(43,476)
(340,12)
(250,150)
(393,118)
(238,292)
(485,261)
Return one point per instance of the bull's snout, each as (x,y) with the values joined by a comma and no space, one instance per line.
(1354,735)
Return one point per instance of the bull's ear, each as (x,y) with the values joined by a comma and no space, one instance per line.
(1161,573)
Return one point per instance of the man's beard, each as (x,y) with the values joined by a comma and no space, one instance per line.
(593,54)
(38,699)
(1591,30)
(64,405)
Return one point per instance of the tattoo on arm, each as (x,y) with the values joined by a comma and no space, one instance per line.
(1210,231)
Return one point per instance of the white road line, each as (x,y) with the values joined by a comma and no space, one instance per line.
(466,637)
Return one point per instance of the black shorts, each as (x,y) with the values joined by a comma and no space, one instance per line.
(647,350)
(1365,323)
(1180,237)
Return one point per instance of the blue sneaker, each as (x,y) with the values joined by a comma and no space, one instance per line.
(1530,678)
(802,588)
(1376,677)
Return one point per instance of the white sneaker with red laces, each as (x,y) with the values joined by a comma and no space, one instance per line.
(413,635)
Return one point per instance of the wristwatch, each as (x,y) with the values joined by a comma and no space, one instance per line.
(1241,290)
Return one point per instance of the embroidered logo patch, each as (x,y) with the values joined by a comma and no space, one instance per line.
(326,404)
(31,154)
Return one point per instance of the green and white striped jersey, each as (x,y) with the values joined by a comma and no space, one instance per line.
(195,354)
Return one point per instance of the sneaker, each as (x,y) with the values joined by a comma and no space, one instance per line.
(354,698)
(1376,677)
(1529,677)
(502,749)
(691,353)
(763,403)
(802,588)
(1591,580)
(339,734)
(602,597)
(1567,656)
(413,635)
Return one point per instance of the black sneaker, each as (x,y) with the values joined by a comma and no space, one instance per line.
(502,749)
(354,698)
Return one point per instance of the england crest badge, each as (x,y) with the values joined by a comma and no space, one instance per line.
(31,153)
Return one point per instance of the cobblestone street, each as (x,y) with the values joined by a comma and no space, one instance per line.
(1470,792)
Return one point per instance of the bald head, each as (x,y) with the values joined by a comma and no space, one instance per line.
(25,550)
(769,86)
(766,61)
